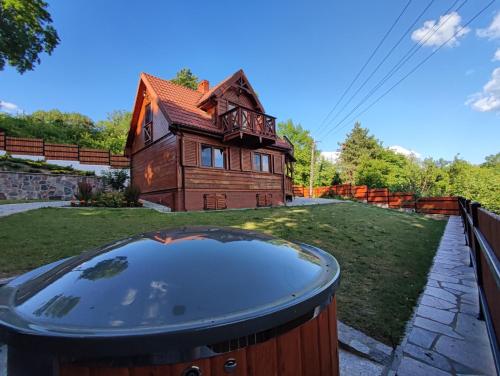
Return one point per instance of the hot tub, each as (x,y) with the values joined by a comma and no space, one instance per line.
(190,301)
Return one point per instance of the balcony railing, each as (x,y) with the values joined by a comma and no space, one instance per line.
(244,121)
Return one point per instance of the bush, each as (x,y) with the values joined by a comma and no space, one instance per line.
(9,163)
(110,200)
(132,194)
(116,179)
(84,192)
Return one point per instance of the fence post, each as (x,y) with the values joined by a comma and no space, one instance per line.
(474,244)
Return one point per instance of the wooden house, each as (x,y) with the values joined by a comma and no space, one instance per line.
(210,148)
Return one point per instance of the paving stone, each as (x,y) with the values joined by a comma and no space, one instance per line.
(459,287)
(469,309)
(432,301)
(435,314)
(353,365)
(470,298)
(412,367)
(443,278)
(441,294)
(428,356)
(422,337)
(432,283)
(471,354)
(470,283)
(472,328)
(437,327)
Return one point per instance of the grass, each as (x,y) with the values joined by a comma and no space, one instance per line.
(384,255)
(5,202)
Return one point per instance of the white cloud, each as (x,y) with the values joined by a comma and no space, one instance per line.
(492,31)
(8,107)
(489,99)
(407,152)
(437,32)
(497,55)
(331,156)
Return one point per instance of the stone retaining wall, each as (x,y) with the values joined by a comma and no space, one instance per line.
(22,185)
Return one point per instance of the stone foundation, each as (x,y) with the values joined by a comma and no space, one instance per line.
(30,186)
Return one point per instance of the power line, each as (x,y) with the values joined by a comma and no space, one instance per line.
(422,62)
(409,54)
(367,62)
(393,48)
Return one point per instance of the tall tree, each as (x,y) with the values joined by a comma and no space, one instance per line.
(302,142)
(25,32)
(186,78)
(113,131)
(357,145)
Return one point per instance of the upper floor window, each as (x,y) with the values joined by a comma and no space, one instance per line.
(212,157)
(261,162)
(148,124)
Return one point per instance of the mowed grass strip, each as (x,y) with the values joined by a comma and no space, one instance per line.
(384,255)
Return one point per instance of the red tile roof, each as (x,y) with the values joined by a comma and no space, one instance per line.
(180,104)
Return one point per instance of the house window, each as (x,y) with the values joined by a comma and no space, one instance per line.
(212,157)
(261,162)
(148,124)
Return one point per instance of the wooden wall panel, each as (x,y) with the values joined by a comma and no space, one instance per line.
(155,168)
(235,158)
(246,160)
(310,349)
(190,152)
(278,164)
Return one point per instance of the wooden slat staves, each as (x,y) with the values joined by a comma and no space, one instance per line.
(217,364)
(203,364)
(309,346)
(68,370)
(261,359)
(325,354)
(289,353)
(332,323)
(109,371)
(151,371)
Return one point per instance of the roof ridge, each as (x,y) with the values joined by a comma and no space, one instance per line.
(173,83)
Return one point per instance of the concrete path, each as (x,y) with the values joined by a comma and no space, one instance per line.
(9,209)
(354,365)
(446,337)
(302,201)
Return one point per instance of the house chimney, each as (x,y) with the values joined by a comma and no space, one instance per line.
(203,86)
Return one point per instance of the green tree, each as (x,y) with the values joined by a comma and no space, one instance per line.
(25,32)
(358,144)
(325,173)
(113,131)
(492,161)
(302,142)
(186,78)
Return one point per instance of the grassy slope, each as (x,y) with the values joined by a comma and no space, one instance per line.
(384,255)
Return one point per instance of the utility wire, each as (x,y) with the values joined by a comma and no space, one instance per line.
(367,62)
(409,54)
(393,48)
(422,62)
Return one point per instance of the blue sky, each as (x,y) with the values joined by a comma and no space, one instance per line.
(299,56)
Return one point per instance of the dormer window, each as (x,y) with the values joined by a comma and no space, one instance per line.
(148,124)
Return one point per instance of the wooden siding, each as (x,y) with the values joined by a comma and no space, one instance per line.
(154,168)
(311,349)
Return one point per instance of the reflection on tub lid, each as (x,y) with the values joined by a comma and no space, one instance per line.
(167,281)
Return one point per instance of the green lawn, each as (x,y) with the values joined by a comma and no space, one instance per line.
(384,255)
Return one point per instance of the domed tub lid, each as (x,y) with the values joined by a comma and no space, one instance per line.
(175,289)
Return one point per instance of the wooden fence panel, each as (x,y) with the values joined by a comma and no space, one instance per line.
(25,146)
(399,200)
(2,141)
(61,152)
(489,224)
(378,196)
(437,205)
(94,156)
(119,161)
(359,192)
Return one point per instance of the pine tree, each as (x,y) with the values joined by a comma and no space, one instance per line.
(186,78)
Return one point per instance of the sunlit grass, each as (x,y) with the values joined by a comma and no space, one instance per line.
(384,254)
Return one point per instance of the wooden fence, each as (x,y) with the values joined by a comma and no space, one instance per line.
(482,232)
(383,197)
(38,147)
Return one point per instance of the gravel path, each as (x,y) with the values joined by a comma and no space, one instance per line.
(9,209)
(302,201)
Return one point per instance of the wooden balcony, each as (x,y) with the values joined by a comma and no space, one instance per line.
(244,126)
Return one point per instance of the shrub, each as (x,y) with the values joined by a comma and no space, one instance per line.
(116,179)
(132,194)
(84,192)
(110,200)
